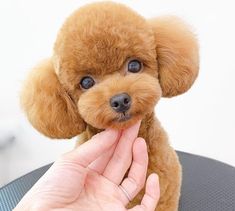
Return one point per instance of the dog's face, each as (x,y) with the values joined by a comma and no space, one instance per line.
(110,67)
(108,64)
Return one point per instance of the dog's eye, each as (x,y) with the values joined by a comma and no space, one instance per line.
(87,82)
(134,66)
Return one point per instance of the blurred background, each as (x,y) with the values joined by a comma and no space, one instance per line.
(202,121)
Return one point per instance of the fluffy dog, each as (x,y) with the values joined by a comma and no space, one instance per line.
(109,69)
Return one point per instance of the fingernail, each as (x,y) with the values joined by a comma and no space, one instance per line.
(155,176)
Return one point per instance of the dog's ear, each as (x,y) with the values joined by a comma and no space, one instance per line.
(177,55)
(48,106)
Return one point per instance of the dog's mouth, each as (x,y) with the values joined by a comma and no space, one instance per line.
(123,117)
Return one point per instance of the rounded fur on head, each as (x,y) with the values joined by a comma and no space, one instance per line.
(97,40)
(177,51)
(48,106)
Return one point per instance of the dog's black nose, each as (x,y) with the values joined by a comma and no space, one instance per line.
(121,102)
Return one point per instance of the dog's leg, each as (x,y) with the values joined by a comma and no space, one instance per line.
(170,184)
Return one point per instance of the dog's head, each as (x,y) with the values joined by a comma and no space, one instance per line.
(110,67)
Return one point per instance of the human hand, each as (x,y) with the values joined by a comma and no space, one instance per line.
(91,176)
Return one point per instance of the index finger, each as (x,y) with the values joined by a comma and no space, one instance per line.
(92,149)
(122,157)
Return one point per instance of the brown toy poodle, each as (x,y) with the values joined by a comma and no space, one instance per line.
(109,69)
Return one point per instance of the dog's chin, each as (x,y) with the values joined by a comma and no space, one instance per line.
(123,117)
(123,124)
(122,121)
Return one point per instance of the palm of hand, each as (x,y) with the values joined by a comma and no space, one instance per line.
(90,178)
(101,193)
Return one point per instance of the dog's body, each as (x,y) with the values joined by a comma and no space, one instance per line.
(109,69)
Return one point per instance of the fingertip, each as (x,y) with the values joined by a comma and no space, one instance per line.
(140,140)
(112,132)
(131,132)
(140,145)
(154,177)
(136,126)
(152,186)
(152,193)
(109,134)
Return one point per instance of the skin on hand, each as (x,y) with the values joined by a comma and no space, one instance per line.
(90,176)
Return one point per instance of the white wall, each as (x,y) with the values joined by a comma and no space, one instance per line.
(201,121)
